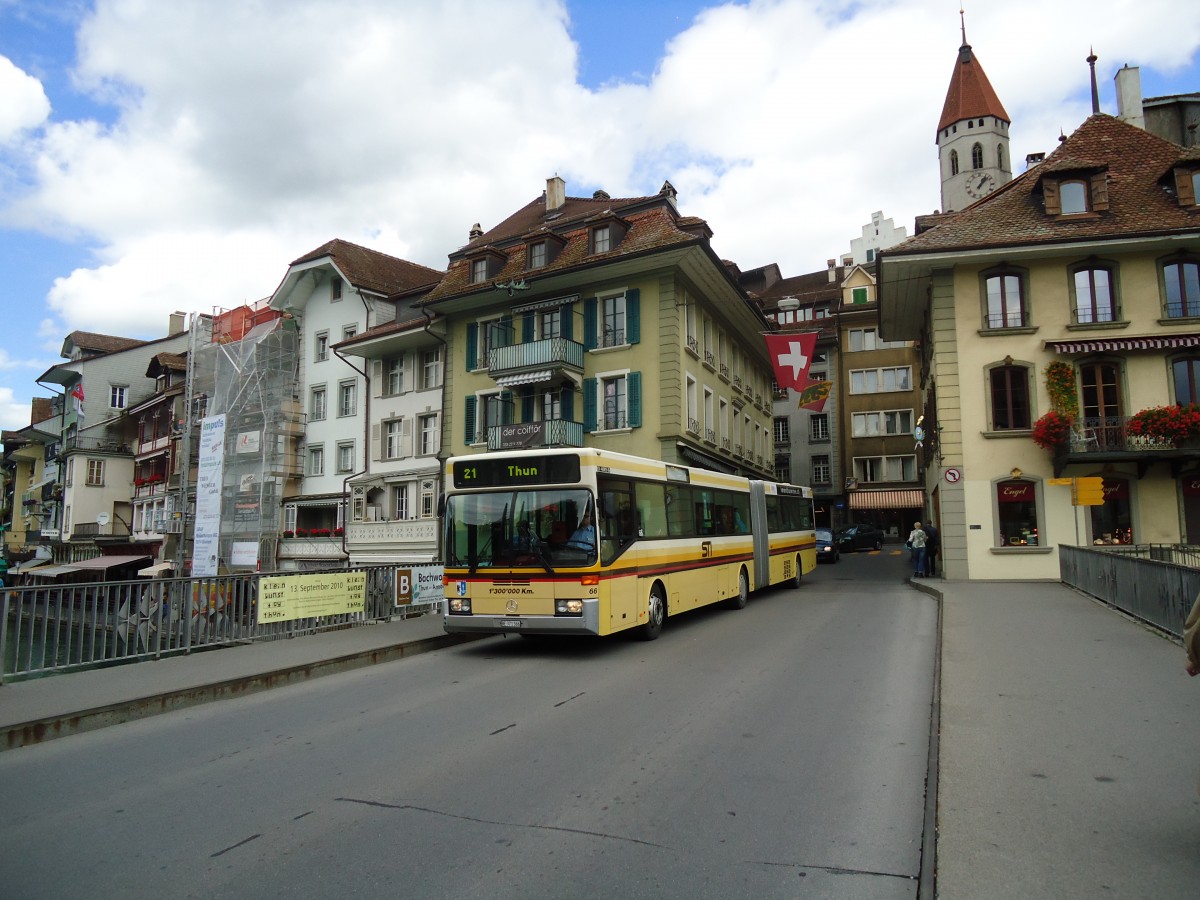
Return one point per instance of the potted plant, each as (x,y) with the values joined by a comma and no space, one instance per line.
(1168,424)
(288,534)
(1052,430)
(300,532)
(338,532)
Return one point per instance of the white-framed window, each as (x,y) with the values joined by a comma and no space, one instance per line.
(614,401)
(393,430)
(886,421)
(431,369)
(612,321)
(479,269)
(428,434)
(693,414)
(335,289)
(318,403)
(321,346)
(723,422)
(537,255)
(95,472)
(601,239)
(345,457)
(349,331)
(818,427)
(393,375)
(493,332)
(820,470)
(781,430)
(427,498)
(400,501)
(885,468)
(491,408)
(882,380)
(347,398)
(550,324)
(118,396)
(783,469)
(868,339)
(316,460)
(710,422)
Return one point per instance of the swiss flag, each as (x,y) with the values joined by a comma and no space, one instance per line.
(791,355)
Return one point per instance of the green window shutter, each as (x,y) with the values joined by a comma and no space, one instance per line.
(859,295)
(589,323)
(633,321)
(634,387)
(506,331)
(469,420)
(506,407)
(472,346)
(527,405)
(527,328)
(568,404)
(589,404)
(568,322)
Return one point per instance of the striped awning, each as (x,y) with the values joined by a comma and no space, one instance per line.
(887,499)
(523,378)
(1159,342)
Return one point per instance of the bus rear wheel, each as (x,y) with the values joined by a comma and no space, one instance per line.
(657,614)
(739,600)
(798,577)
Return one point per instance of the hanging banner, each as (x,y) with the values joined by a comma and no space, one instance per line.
(814,395)
(210,471)
(791,355)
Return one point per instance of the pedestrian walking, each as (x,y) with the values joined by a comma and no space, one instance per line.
(916,543)
(933,545)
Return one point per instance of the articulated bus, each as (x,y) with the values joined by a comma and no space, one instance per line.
(586,541)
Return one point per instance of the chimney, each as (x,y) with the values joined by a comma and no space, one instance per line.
(1129,96)
(556,193)
(475,232)
(832,266)
(1033,159)
(176,323)
(847,260)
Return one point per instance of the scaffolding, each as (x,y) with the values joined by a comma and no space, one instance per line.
(244,367)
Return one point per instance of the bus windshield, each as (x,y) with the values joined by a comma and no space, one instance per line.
(549,528)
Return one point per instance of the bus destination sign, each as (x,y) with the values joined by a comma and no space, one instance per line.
(514,472)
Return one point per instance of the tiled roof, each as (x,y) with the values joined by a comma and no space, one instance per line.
(176,362)
(652,224)
(1135,162)
(372,270)
(393,327)
(970,95)
(101,343)
(807,289)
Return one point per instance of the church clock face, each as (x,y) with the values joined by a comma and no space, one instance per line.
(980,185)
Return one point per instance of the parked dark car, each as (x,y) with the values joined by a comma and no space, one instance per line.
(827,547)
(860,537)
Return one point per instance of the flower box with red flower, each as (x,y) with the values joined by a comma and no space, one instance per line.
(1174,425)
(1052,431)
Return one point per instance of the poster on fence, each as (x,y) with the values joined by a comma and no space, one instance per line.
(289,597)
(419,585)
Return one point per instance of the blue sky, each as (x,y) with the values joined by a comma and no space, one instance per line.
(156,157)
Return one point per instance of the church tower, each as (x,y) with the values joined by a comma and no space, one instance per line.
(972,135)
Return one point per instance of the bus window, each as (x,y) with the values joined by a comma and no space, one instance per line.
(774,518)
(733,512)
(679,511)
(618,524)
(705,510)
(651,509)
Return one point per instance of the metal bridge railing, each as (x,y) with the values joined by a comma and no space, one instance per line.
(1156,583)
(65,627)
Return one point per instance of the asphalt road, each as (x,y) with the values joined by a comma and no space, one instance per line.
(775,751)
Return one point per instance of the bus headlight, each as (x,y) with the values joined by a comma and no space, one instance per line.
(568,607)
(460,606)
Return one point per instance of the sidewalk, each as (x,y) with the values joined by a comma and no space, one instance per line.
(1069,750)
(1069,753)
(59,705)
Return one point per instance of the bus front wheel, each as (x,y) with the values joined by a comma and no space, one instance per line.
(739,600)
(796,579)
(656,614)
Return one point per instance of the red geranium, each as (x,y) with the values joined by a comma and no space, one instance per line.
(1052,430)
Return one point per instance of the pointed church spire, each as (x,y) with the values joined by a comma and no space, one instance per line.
(962,17)
(970,95)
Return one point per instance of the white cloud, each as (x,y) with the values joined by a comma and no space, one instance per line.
(246,139)
(25,103)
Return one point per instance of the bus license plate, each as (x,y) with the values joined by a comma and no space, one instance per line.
(510,623)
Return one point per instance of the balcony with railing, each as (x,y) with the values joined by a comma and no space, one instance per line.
(1107,439)
(551,353)
(546,433)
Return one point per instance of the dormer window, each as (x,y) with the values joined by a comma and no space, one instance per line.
(486,266)
(1187,185)
(537,255)
(1073,197)
(1075,194)
(601,239)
